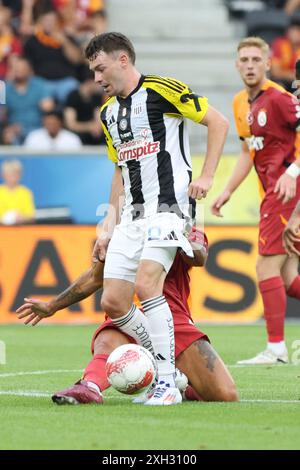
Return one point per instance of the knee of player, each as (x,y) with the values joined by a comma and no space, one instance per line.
(260,268)
(111,304)
(103,345)
(146,288)
(106,341)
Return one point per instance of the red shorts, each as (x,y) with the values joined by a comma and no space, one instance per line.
(185,332)
(271,228)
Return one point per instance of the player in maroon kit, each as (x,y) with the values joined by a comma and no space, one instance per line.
(208,376)
(268,120)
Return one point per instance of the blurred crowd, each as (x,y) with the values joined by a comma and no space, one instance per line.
(51,100)
(278,23)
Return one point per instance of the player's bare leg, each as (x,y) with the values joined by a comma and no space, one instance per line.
(273,292)
(207,373)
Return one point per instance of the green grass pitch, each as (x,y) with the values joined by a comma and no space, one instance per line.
(41,360)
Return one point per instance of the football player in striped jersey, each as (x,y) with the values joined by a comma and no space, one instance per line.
(145,129)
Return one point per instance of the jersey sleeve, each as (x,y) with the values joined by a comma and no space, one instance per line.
(240,108)
(111,151)
(288,108)
(182,100)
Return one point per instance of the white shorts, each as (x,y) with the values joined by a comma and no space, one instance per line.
(154,238)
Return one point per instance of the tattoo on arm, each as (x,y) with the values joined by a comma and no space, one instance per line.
(208,353)
(82,288)
(70,296)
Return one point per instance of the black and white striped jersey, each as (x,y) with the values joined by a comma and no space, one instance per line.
(147,137)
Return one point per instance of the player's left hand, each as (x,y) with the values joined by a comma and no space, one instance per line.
(291,235)
(34,310)
(286,188)
(199,243)
(199,188)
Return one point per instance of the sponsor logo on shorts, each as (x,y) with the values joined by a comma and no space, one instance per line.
(154,233)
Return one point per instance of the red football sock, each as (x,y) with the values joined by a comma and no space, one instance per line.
(294,289)
(191,394)
(274,299)
(95,371)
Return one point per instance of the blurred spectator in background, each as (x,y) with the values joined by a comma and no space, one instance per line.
(291,6)
(76,13)
(82,111)
(16,201)
(54,55)
(10,45)
(53,136)
(30,10)
(26,98)
(285,52)
(98,22)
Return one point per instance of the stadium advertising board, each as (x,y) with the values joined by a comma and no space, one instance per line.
(41,261)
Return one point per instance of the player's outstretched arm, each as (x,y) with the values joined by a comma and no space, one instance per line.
(286,185)
(240,172)
(34,310)
(217,126)
(291,234)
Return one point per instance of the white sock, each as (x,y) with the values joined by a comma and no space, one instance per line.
(94,387)
(277,348)
(135,324)
(161,328)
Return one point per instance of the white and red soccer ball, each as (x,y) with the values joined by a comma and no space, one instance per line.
(131,369)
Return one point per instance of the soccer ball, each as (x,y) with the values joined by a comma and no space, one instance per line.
(131,369)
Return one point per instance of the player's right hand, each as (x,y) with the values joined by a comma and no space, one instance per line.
(34,310)
(219,203)
(286,187)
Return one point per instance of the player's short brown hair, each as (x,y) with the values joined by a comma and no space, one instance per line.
(109,42)
(254,41)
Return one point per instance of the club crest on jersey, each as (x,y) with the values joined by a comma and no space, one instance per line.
(123,124)
(262,117)
(250,118)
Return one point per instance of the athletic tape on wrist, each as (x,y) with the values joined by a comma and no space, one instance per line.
(293,170)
